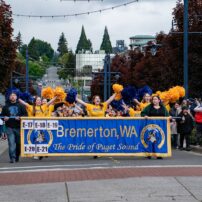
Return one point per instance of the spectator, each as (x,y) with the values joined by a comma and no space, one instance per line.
(1,123)
(12,112)
(174,112)
(186,125)
(198,120)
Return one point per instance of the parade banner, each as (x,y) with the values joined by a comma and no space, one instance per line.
(101,136)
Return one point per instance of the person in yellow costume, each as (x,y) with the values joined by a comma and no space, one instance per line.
(131,111)
(49,109)
(37,109)
(144,103)
(97,109)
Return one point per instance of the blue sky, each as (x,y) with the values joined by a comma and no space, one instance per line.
(143,17)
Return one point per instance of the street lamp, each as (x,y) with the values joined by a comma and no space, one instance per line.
(186,47)
(117,77)
(27,71)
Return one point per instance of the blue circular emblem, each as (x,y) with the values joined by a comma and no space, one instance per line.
(152,136)
(40,137)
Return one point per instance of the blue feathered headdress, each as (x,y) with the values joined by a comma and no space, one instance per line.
(71,95)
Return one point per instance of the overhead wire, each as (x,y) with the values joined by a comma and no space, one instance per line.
(75,14)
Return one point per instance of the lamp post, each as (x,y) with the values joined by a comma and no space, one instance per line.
(105,78)
(109,75)
(27,71)
(186,47)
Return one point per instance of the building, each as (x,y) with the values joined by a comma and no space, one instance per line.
(96,61)
(139,41)
(120,47)
(86,63)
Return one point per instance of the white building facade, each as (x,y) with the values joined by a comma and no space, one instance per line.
(86,63)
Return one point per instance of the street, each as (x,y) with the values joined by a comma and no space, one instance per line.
(84,179)
(51,77)
(178,159)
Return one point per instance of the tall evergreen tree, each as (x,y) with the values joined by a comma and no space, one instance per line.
(106,43)
(7,45)
(90,45)
(84,43)
(62,45)
(18,40)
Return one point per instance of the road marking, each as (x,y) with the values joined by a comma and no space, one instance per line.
(65,168)
(53,166)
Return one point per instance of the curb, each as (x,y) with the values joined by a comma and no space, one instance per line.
(196,148)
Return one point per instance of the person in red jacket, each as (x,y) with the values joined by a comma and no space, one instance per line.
(198,120)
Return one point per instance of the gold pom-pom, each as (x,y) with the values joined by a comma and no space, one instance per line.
(173,95)
(117,88)
(181,90)
(154,94)
(118,96)
(60,93)
(158,93)
(47,93)
(167,107)
(164,96)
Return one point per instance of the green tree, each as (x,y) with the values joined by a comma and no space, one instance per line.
(84,44)
(23,50)
(35,69)
(68,64)
(19,42)
(7,45)
(90,45)
(37,48)
(62,45)
(106,43)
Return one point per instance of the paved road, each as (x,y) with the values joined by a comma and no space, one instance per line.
(179,158)
(51,78)
(106,179)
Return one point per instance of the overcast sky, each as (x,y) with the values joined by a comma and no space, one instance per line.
(143,17)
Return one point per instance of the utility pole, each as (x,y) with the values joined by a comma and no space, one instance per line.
(186,24)
(27,72)
(105,78)
(109,75)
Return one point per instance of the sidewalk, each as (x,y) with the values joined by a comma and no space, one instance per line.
(3,146)
(141,189)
